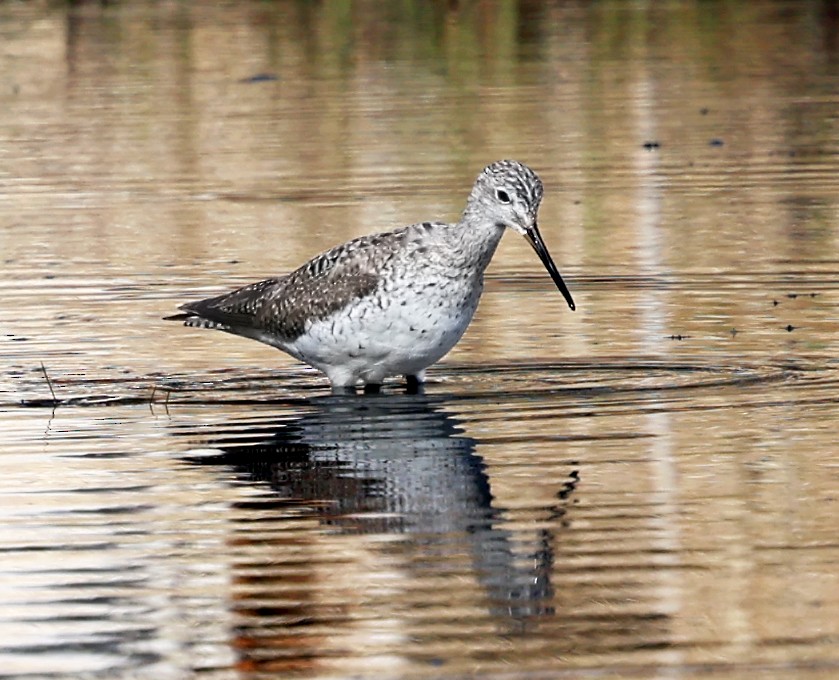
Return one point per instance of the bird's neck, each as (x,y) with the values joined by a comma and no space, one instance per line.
(473,242)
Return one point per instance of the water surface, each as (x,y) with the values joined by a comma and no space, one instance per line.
(646,487)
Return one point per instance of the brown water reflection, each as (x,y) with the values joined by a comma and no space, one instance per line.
(644,487)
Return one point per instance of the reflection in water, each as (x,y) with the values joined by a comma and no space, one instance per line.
(380,465)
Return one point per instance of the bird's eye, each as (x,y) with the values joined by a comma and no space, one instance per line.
(502,196)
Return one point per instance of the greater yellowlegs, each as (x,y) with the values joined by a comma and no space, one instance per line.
(391,303)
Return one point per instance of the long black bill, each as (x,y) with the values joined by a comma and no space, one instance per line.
(534,238)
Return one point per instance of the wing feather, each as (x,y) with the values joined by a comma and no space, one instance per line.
(283,306)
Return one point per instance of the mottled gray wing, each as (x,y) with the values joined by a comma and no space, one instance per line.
(282,306)
(328,283)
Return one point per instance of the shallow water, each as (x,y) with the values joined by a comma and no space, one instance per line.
(646,487)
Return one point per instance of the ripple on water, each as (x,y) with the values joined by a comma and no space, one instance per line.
(460,382)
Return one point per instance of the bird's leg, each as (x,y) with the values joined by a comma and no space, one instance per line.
(372,388)
(414,384)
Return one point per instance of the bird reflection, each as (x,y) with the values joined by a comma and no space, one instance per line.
(402,466)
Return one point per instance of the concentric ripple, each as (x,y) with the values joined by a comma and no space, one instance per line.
(519,380)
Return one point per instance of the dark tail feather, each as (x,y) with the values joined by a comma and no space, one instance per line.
(234,312)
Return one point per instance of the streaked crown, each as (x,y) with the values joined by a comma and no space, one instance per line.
(507,192)
(516,178)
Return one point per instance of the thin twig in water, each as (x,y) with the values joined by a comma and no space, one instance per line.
(49,383)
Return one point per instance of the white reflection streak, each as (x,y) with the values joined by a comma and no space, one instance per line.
(653,318)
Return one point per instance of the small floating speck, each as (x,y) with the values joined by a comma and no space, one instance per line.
(790,328)
(716,141)
(260,78)
(652,144)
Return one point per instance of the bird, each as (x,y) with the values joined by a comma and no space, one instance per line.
(387,304)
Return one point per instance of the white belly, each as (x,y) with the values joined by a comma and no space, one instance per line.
(384,336)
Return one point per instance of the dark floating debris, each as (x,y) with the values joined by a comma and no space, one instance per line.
(652,144)
(716,141)
(679,336)
(733,332)
(792,296)
(704,111)
(790,328)
(92,400)
(774,303)
(260,78)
